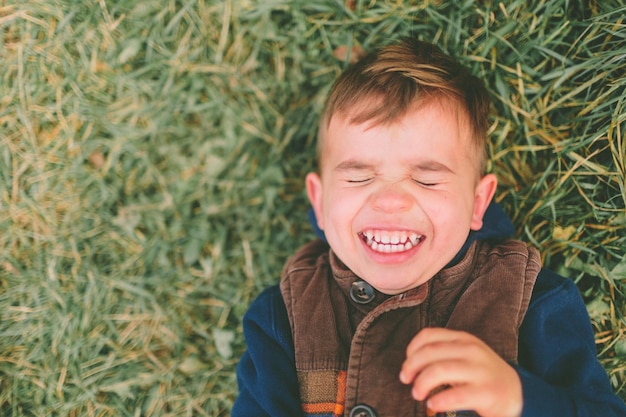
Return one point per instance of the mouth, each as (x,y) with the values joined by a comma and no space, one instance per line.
(384,241)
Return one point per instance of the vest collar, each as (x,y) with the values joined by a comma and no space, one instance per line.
(447,284)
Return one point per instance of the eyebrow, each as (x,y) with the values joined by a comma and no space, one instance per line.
(426,165)
(353,164)
(430,165)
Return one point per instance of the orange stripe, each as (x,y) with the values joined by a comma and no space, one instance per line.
(319,408)
(342,378)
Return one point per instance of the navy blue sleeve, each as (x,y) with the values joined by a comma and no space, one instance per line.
(558,364)
(266,373)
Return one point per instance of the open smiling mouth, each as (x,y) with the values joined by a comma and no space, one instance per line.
(390,242)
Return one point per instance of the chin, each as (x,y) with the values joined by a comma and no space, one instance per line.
(387,285)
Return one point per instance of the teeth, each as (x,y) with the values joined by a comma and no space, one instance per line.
(391,242)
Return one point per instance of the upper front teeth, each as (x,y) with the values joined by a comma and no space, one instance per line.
(392,238)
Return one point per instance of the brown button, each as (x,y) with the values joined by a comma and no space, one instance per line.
(361,292)
(362,410)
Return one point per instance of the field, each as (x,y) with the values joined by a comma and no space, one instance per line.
(152,162)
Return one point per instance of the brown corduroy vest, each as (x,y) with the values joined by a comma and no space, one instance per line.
(349,354)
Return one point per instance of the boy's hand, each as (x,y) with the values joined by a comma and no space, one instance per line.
(474,377)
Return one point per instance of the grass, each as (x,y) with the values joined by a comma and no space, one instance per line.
(152,161)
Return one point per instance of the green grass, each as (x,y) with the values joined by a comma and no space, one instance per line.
(152,159)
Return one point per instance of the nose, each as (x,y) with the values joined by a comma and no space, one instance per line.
(392,198)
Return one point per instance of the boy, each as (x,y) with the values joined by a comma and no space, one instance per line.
(415,303)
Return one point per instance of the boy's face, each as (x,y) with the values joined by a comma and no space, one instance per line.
(396,202)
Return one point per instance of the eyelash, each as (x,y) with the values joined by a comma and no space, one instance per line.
(425,184)
(367,180)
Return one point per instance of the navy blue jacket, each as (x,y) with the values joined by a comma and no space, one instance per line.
(558,366)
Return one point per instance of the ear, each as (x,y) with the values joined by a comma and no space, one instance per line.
(314,192)
(485,190)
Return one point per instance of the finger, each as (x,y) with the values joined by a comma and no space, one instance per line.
(456,372)
(460,397)
(469,390)
(442,346)
(433,335)
(429,354)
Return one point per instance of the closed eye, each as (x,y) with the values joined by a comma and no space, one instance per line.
(426,184)
(359,181)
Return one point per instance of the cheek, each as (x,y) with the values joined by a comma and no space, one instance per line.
(448,211)
(341,207)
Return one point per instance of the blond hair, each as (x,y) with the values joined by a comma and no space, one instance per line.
(382,86)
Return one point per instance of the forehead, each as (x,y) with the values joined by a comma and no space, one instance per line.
(445,112)
(430,122)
